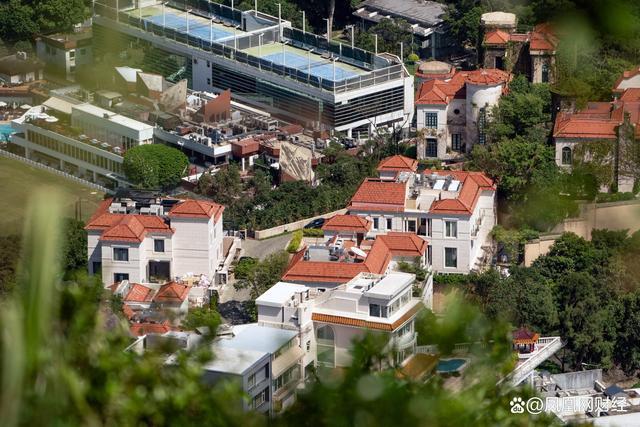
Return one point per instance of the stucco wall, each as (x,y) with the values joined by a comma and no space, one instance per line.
(610,216)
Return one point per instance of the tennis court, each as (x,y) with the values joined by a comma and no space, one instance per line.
(297,58)
(198,26)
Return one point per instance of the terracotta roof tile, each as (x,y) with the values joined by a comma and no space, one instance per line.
(139,329)
(436,92)
(543,37)
(496,37)
(139,293)
(472,185)
(367,324)
(488,76)
(172,292)
(196,209)
(374,194)
(404,244)
(398,163)
(351,223)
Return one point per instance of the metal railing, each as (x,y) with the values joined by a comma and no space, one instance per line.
(374,77)
(551,345)
(56,171)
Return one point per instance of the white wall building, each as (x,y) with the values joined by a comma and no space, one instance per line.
(272,381)
(454,211)
(64,53)
(154,241)
(451,111)
(95,155)
(266,63)
(328,322)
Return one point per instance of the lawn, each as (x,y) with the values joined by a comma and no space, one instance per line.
(18,181)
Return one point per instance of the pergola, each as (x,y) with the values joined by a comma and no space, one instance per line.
(524,341)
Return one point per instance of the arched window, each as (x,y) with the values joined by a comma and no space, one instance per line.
(325,346)
(566,156)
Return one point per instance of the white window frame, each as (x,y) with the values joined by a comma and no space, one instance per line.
(446,231)
(444,258)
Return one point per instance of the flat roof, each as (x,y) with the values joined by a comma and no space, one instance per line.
(259,338)
(279,293)
(112,117)
(276,52)
(429,12)
(390,285)
(233,360)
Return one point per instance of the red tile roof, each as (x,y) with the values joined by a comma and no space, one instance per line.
(473,184)
(377,195)
(196,209)
(398,163)
(438,92)
(488,76)
(351,223)
(496,37)
(627,74)
(543,37)
(172,292)
(139,329)
(383,249)
(125,228)
(128,312)
(361,323)
(139,293)
(404,244)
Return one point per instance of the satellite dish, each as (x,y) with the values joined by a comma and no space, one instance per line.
(358,252)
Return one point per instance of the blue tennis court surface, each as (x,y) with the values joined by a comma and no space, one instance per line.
(321,69)
(197,26)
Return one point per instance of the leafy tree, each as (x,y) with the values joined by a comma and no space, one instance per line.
(586,320)
(264,274)
(390,32)
(526,107)
(463,17)
(224,186)
(155,165)
(627,351)
(23,19)
(199,317)
(75,246)
(9,255)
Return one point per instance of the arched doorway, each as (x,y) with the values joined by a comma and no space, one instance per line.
(325,346)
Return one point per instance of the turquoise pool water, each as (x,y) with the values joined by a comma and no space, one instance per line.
(450,365)
(5,129)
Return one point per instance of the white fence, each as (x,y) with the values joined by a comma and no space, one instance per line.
(56,171)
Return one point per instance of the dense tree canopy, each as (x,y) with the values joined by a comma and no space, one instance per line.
(155,166)
(23,19)
(585,291)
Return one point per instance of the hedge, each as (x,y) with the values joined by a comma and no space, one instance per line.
(295,241)
(312,232)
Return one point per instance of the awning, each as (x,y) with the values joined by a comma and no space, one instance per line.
(285,360)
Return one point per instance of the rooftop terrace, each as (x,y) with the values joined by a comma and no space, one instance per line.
(264,43)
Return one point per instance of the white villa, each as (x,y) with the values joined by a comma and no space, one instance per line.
(328,322)
(152,240)
(454,211)
(452,110)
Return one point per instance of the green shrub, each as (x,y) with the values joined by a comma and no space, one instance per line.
(294,244)
(154,165)
(614,197)
(451,279)
(412,58)
(312,232)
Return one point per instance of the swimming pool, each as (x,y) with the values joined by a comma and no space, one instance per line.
(450,365)
(5,131)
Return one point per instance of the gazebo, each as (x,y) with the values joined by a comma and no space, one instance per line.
(524,341)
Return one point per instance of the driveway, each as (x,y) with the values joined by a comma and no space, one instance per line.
(263,248)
